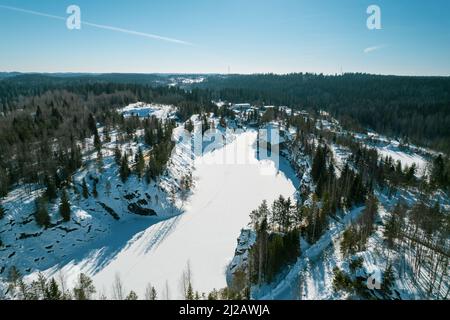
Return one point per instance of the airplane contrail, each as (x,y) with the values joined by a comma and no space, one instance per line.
(100,26)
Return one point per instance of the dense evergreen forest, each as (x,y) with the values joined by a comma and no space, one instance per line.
(416,109)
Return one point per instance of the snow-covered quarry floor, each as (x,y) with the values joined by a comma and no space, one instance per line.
(205,234)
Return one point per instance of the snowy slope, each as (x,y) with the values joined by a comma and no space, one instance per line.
(119,212)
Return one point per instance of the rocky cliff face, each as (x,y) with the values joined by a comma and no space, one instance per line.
(239,263)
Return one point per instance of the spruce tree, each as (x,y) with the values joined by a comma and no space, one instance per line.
(64,207)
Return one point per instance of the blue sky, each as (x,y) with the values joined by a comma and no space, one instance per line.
(244,36)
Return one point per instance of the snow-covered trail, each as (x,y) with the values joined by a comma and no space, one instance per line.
(205,234)
(318,260)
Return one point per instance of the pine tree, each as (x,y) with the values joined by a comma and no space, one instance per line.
(124,169)
(223,123)
(131,296)
(348,243)
(97,142)
(410,173)
(213,295)
(14,275)
(41,214)
(205,124)
(260,214)
(108,188)
(140,163)
(4,181)
(92,124)
(189,126)
(190,292)
(52,291)
(84,288)
(388,279)
(117,155)
(149,136)
(64,207)
(100,162)
(94,189)
(150,293)
(50,191)
(154,295)
(2,212)
(319,170)
(438,175)
(106,134)
(85,189)
(394,224)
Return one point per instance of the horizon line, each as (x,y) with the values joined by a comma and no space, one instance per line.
(89,73)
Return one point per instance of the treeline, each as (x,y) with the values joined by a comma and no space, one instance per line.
(413,108)
(56,288)
(369,166)
(44,288)
(385,172)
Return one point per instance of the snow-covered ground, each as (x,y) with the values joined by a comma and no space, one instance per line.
(205,234)
(99,227)
(143,110)
(406,158)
